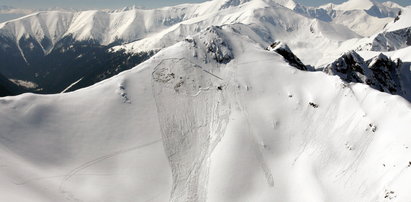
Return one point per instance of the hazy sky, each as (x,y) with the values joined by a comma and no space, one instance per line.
(88,4)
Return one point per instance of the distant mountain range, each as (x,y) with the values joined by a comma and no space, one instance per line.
(55,49)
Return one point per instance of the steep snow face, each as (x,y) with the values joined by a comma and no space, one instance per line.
(102,26)
(403,54)
(396,35)
(125,26)
(374,8)
(241,130)
(43,26)
(361,22)
(402,21)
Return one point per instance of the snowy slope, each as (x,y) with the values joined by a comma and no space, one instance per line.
(403,54)
(385,25)
(215,117)
(40,26)
(361,22)
(402,21)
(372,7)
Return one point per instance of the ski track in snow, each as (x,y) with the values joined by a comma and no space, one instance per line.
(85,165)
(71,85)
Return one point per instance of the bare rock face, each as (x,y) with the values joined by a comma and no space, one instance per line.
(386,74)
(216,46)
(289,56)
(394,40)
(380,72)
(350,67)
(193,114)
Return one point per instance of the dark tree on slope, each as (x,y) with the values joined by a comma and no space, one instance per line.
(8,88)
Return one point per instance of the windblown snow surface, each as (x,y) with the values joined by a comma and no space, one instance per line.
(215,117)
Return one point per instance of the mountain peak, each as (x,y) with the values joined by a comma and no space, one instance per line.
(353,56)
(291,4)
(129,8)
(231,3)
(380,72)
(355,5)
(283,49)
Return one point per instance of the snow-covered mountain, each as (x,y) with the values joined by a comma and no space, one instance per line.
(223,105)
(236,122)
(265,21)
(48,35)
(365,17)
(394,36)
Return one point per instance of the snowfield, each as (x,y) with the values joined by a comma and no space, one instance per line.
(214,116)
